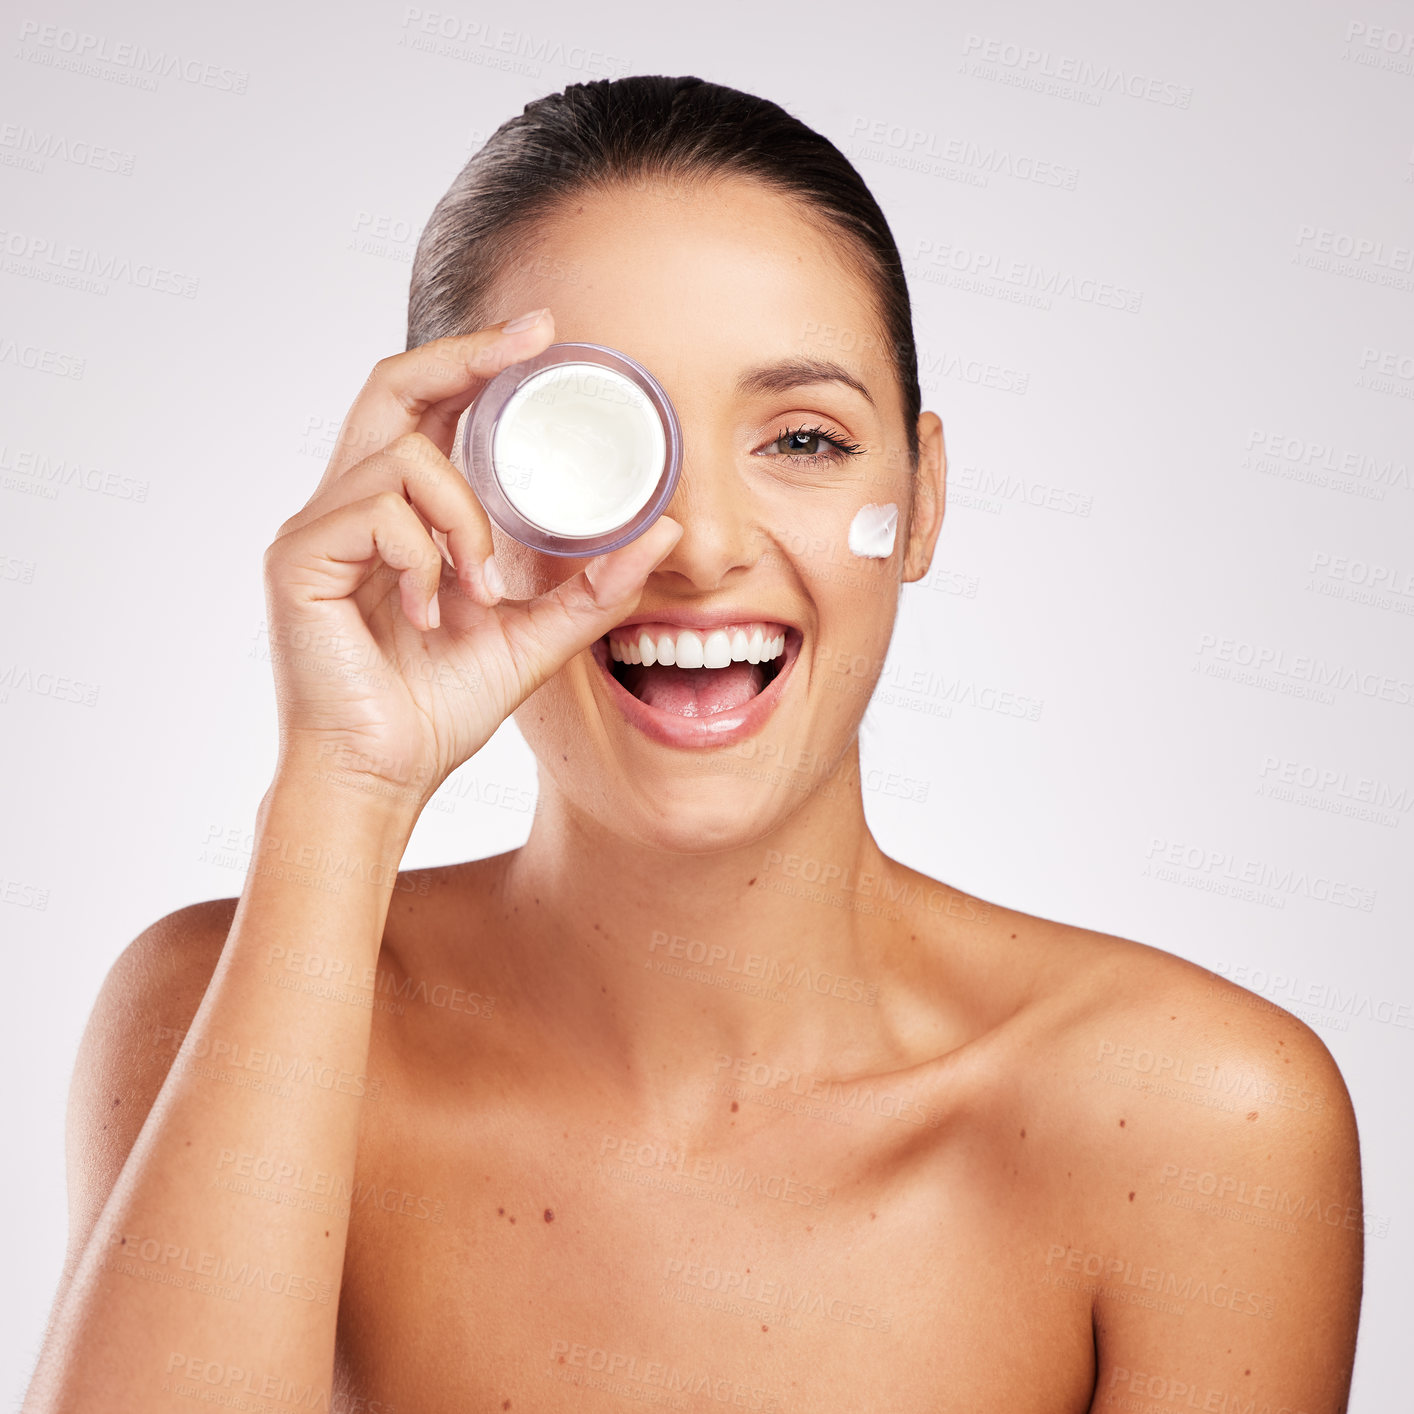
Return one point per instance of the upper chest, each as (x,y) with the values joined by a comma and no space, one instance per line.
(541,1245)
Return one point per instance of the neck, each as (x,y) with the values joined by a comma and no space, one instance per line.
(660,964)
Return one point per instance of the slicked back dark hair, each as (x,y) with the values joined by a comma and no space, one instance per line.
(632,130)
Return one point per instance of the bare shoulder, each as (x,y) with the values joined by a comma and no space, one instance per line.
(158,979)
(1162,1051)
(1191,1054)
(1122,1019)
(149,996)
(143,1010)
(1196,1150)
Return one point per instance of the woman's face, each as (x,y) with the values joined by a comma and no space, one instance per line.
(724,293)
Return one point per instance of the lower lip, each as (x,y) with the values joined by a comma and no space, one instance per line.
(719,729)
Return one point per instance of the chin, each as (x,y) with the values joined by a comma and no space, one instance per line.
(695,730)
(684,800)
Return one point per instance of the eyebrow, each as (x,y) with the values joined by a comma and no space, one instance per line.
(793,372)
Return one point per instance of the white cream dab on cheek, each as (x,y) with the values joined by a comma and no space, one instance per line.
(871,532)
(578,449)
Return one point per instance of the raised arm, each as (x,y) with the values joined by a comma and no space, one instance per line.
(395,660)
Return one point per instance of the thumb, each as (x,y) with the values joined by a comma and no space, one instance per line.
(613,577)
(568,618)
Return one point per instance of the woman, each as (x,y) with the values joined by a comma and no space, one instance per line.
(697,1098)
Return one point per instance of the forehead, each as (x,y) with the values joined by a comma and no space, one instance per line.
(687,278)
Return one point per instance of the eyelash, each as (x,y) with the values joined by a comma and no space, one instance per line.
(844,447)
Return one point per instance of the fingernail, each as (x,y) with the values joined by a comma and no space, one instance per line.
(434,612)
(526,321)
(491,575)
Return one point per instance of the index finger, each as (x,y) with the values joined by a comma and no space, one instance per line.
(427,388)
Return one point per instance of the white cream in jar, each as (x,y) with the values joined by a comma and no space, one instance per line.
(575,451)
(578,449)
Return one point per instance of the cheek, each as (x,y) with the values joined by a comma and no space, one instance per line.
(847,525)
(845,551)
(846,540)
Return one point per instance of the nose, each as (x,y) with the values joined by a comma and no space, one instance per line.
(720,531)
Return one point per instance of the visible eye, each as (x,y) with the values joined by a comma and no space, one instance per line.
(807,446)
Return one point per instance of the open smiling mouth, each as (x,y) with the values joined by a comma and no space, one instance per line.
(717,683)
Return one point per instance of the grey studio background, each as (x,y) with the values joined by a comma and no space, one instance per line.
(1160,681)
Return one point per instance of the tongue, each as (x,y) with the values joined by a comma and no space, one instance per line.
(694,692)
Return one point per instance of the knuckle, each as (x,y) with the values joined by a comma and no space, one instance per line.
(576,596)
(388,503)
(423,552)
(383,368)
(415,447)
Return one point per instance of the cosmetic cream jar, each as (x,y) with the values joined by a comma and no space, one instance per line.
(573,452)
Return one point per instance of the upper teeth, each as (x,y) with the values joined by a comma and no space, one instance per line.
(685,647)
